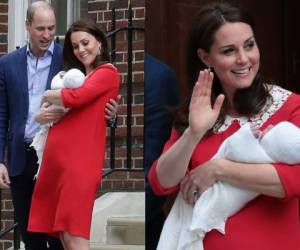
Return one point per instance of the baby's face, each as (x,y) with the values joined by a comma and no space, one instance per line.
(257,133)
(255,130)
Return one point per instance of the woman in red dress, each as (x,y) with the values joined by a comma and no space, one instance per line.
(73,157)
(223,99)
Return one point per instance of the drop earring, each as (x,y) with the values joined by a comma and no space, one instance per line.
(99,51)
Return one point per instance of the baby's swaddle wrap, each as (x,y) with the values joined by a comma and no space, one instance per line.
(186,226)
(73,78)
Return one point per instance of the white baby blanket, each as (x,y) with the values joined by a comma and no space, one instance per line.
(186,226)
(73,78)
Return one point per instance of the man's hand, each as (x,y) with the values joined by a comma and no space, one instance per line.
(4,179)
(111,109)
(47,115)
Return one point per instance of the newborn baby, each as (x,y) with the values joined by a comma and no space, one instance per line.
(186,226)
(73,78)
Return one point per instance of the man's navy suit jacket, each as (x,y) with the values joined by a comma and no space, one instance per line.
(161,94)
(14,104)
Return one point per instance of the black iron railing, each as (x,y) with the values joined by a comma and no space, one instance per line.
(112,35)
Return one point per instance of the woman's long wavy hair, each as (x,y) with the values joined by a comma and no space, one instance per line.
(70,60)
(211,17)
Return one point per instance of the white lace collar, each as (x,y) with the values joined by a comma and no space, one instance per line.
(279,96)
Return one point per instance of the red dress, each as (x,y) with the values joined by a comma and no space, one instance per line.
(266,223)
(73,158)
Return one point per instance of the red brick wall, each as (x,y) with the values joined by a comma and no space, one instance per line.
(3,26)
(6,219)
(101,13)
(6,204)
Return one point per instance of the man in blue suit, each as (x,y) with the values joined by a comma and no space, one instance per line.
(24,75)
(161,95)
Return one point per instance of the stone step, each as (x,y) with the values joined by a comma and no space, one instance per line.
(103,247)
(114,204)
(22,247)
(129,230)
(118,247)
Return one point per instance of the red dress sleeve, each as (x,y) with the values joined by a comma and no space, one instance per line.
(103,80)
(290,174)
(152,177)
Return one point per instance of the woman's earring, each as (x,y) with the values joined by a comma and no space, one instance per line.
(99,51)
(209,69)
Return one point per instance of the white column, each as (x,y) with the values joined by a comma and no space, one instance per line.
(17,34)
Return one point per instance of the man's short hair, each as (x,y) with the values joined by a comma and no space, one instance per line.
(35,6)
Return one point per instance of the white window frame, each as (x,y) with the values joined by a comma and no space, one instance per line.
(17,34)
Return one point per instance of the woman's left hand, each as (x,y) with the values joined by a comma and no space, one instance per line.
(198,180)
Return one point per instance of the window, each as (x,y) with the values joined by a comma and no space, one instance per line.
(60,7)
(76,9)
(67,11)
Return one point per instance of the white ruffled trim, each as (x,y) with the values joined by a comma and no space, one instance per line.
(279,96)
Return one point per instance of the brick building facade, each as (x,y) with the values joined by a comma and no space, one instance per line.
(100,12)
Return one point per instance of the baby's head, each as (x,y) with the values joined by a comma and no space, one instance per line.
(282,143)
(73,78)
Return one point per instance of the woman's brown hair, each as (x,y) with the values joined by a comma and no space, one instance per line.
(70,60)
(210,18)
